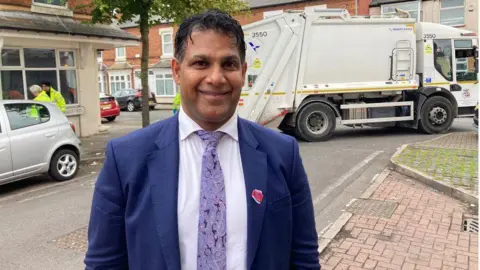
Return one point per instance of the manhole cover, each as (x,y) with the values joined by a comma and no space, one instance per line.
(375,208)
(470,224)
(76,240)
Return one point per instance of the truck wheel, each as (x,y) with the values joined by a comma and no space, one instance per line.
(436,115)
(315,122)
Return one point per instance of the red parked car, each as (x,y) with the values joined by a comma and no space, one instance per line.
(109,108)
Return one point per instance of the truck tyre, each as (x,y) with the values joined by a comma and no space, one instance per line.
(436,115)
(315,122)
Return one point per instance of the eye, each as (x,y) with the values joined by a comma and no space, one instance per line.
(232,65)
(200,64)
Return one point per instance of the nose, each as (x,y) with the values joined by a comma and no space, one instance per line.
(216,76)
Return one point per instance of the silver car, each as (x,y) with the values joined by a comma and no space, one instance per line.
(36,138)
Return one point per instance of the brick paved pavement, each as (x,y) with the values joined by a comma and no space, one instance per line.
(458,140)
(424,232)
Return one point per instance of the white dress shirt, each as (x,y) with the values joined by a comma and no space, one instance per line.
(191,150)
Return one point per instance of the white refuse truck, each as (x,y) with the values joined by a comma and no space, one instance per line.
(309,68)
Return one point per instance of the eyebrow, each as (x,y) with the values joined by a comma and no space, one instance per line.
(228,57)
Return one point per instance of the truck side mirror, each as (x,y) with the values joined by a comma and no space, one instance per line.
(455,88)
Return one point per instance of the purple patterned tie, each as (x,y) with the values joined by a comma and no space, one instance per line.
(212,224)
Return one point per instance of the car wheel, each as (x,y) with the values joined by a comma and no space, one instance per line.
(152,108)
(111,118)
(436,115)
(130,106)
(64,165)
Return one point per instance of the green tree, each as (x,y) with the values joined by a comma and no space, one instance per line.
(147,13)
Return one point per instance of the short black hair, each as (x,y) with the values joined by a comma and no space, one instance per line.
(212,19)
(47,83)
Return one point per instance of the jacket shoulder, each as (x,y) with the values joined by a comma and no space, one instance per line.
(270,139)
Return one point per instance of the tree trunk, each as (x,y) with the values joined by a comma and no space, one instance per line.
(144,29)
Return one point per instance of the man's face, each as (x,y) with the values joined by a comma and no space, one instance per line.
(211,77)
(45,88)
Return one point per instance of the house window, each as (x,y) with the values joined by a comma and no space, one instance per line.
(452,12)
(164,84)
(20,68)
(413,7)
(119,82)
(102,83)
(60,3)
(167,43)
(120,53)
(268,14)
(99,56)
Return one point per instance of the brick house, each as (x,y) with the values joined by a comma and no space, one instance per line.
(45,40)
(462,14)
(120,68)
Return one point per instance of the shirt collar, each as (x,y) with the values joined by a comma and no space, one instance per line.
(187,126)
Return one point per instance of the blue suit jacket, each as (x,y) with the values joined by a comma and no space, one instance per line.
(133,222)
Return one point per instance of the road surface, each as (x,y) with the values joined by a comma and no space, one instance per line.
(43,222)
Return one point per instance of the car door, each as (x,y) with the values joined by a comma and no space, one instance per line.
(32,133)
(5,155)
(121,99)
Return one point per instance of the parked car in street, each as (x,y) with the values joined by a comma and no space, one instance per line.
(109,108)
(131,99)
(36,138)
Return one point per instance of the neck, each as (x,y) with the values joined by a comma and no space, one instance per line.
(205,125)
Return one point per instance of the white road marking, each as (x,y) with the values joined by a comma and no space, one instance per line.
(344,177)
(39,196)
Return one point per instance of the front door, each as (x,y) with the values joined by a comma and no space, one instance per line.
(5,156)
(32,135)
(466,73)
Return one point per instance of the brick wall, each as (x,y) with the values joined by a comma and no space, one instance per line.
(155,47)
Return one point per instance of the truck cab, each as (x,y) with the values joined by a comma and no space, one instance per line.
(448,58)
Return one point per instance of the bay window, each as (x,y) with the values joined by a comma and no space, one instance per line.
(20,68)
(165,85)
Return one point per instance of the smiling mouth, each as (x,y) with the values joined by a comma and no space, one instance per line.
(214,94)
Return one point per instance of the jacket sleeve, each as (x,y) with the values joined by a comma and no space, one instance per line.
(60,102)
(304,251)
(106,231)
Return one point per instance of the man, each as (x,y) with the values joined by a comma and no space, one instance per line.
(176,103)
(204,189)
(54,95)
(39,95)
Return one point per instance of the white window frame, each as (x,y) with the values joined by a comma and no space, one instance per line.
(163,80)
(117,57)
(102,80)
(64,6)
(57,69)
(452,8)
(99,56)
(419,8)
(163,32)
(271,13)
(113,79)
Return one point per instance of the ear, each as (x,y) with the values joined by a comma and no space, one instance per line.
(244,71)
(176,66)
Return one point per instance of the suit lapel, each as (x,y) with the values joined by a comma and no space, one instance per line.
(162,166)
(254,163)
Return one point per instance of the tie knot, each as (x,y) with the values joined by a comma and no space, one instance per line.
(211,138)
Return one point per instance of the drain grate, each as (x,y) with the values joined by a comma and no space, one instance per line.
(375,208)
(470,224)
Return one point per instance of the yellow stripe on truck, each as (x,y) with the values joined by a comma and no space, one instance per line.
(337,90)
